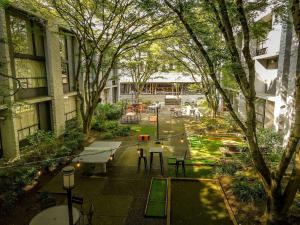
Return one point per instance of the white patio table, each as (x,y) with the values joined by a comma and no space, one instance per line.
(98,153)
(56,215)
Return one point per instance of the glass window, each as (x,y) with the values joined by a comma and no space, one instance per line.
(21,36)
(27,120)
(27,40)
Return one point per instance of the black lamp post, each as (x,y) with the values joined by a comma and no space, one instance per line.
(157,124)
(68,185)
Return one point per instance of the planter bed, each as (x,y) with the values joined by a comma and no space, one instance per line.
(157,198)
(197,202)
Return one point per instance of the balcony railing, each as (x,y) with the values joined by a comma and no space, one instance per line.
(70,115)
(33,82)
(26,131)
(261,51)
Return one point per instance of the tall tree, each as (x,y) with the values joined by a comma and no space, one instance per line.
(192,63)
(235,25)
(139,65)
(104,31)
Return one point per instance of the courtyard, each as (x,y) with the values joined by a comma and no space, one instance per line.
(120,195)
(149,112)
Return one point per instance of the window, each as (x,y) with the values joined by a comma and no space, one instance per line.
(70,108)
(27,120)
(64,59)
(66,47)
(27,47)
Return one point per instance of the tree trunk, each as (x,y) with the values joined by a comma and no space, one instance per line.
(137,96)
(87,123)
(274,214)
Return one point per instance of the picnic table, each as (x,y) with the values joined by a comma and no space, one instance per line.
(98,154)
(56,215)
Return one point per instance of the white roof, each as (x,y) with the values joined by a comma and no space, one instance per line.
(164,77)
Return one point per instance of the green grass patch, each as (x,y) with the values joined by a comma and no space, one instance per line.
(197,202)
(149,129)
(205,172)
(202,147)
(190,162)
(157,198)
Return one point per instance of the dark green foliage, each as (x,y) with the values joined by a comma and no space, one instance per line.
(108,135)
(269,140)
(109,111)
(248,190)
(73,132)
(106,121)
(111,125)
(41,136)
(122,131)
(227,168)
(12,182)
(8,202)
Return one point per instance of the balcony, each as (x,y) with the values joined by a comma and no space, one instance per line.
(261,51)
(32,87)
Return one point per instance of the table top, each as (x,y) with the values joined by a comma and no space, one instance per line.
(130,114)
(98,152)
(56,215)
(155,149)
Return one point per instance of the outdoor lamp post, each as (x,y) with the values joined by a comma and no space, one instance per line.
(68,185)
(157,123)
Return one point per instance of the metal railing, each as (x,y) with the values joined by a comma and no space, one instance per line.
(261,51)
(26,131)
(33,82)
(70,115)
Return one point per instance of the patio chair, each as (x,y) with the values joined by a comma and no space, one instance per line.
(180,161)
(89,217)
(78,201)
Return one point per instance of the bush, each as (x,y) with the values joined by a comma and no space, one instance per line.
(74,136)
(8,202)
(122,131)
(98,123)
(109,111)
(227,168)
(108,135)
(111,125)
(41,136)
(248,190)
(269,139)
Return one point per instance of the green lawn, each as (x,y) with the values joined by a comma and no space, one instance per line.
(202,147)
(207,147)
(205,172)
(157,198)
(197,202)
(149,129)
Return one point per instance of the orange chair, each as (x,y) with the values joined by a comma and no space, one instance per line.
(144,137)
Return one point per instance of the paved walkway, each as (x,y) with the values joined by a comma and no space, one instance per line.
(120,197)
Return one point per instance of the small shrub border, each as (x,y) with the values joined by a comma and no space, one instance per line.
(42,146)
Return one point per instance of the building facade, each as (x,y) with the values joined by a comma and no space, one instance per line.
(276,64)
(161,86)
(39,55)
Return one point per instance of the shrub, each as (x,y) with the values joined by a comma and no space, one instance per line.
(73,137)
(41,136)
(98,123)
(227,168)
(269,139)
(122,131)
(109,111)
(23,177)
(108,135)
(111,125)
(248,190)
(8,202)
